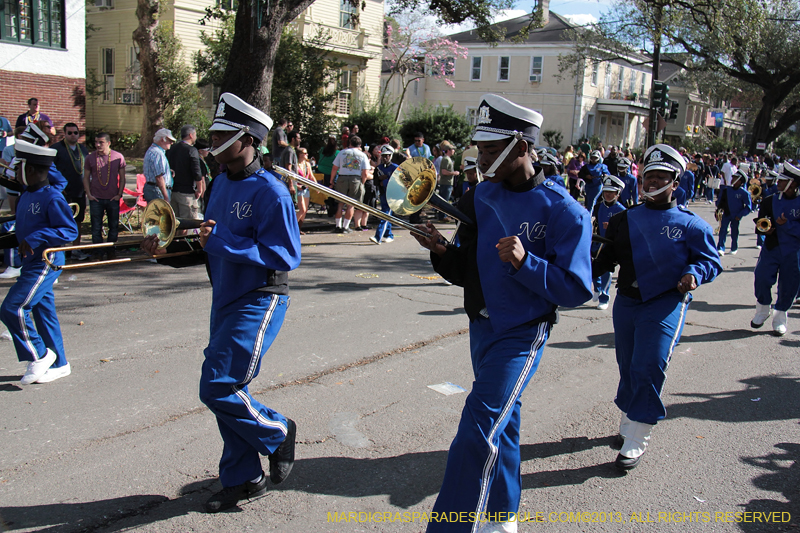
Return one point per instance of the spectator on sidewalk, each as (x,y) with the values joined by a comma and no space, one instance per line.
(446,173)
(349,173)
(156,168)
(188,185)
(279,140)
(34,116)
(104,183)
(70,161)
(6,131)
(419,148)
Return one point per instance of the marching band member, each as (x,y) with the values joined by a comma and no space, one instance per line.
(779,259)
(383,172)
(664,251)
(603,211)
(549,165)
(592,174)
(528,254)
(251,240)
(735,203)
(768,188)
(44,220)
(629,196)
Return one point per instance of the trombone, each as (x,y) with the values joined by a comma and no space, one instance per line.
(159,220)
(410,188)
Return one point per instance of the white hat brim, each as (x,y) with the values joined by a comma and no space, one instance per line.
(483,136)
(219,126)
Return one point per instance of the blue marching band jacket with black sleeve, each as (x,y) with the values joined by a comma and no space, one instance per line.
(556,234)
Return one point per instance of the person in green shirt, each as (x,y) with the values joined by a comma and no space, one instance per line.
(446,173)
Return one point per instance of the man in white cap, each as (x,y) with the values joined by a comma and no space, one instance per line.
(251,240)
(664,252)
(156,167)
(528,254)
(383,172)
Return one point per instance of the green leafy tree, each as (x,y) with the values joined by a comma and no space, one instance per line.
(438,124)
(375,122)
(259,25)
(553,138)
(730,46)
(211,61)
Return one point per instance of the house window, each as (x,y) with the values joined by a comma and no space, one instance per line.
(476,69)
(644,82)
(503,68)
(536,68)
(228,5)
(620,80)
(607,84)
(346,13)
(33,22)
(134,80)
(595,72)
(472,116)
(345,92)
(632,84)
(589,125)
(107,68)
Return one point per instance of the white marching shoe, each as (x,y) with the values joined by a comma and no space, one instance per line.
(636,440)
(53,374)
(10,273)
(37,369)
(779,323)
(762,314)
(624,426)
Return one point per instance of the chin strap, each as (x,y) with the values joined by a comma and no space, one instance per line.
(23,178)
(653,194)
(499,161)
(228,144)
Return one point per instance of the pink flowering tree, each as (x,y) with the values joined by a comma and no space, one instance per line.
(413,51)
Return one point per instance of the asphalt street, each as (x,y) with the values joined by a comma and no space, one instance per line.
(124,444)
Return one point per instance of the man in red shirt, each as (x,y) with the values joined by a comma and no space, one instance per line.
(104,183)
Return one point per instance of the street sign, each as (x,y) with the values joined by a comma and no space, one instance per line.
(761,146)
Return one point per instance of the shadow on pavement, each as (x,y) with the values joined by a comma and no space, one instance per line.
(601,340)
(780,477)
(723,335)
(765,398)
(705,307)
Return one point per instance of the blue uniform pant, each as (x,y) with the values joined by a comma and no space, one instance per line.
(384,228)
(241,333)
(483,465)
(759,238)
(723,233)
(770,263)
(601,284)
(32,295)
(645,335)
(591,192)
(709,194)
(11,256)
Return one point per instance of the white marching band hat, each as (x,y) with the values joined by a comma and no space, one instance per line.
(789,172)
(612,183)
(470,163)
(664,157)
(499,118)
(33,154)
(34,135)
(234,114)
(623,162)
(387,150)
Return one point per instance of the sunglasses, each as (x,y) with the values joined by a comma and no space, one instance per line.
(72,133)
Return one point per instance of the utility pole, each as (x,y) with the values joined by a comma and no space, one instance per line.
(651,131)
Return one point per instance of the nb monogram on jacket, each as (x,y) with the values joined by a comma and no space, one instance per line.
(672,232)
(535,232)
(35,209)
(242,210)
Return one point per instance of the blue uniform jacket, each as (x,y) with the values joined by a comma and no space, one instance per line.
(630,194)
(256,231)
(668,244)
(679,195)
(788,233)
(687,183)
(738,200)
(44,220)
(56,178)
(556,234)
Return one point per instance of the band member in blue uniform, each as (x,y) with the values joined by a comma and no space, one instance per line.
(251,240)
(735,203)
(768,188)
(664,251)
(383,172)
(549,165)
(603,211)
(779,259)
(44,220)
(528,254)
(35,135)
(629,196)
(592,174)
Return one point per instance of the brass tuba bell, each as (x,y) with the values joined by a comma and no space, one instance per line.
(764,224)
(755,189)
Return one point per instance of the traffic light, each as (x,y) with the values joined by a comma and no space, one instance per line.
(661,96)
(673,110)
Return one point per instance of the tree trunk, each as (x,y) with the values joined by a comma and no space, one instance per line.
(152,86)
(251,63)
(761,126)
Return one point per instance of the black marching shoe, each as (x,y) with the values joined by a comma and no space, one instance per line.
(282,461)
(230,496)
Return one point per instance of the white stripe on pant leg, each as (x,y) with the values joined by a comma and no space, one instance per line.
(261,419)
(21,312)
(684,306)
(493,450)
(262,329)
